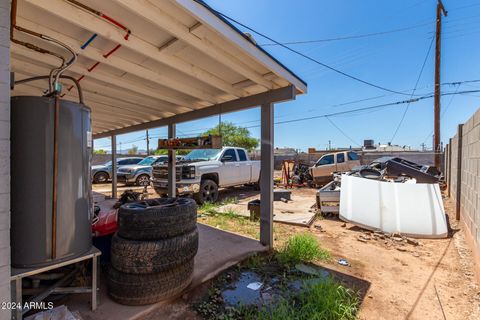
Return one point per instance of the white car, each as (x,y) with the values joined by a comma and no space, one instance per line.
(203,171)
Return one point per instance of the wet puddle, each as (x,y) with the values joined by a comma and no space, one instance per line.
(250,288)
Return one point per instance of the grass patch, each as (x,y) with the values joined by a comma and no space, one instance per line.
(208,208)
(325,300)
(231,221)
(302,247)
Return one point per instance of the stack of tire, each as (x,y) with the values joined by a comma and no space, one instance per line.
(153,250)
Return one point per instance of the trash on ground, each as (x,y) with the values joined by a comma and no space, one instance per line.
(343,262)
(254,285)
(279,194)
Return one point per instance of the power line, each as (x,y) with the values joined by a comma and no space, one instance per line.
(366,35)
(379,106)
(341,131)
(302,54)
(414,89)
(444,111)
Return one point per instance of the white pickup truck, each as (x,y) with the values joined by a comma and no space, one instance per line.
(203,171)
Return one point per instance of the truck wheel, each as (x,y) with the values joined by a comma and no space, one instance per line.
(100,177)
(142,257)
(141,289)
(143,180)
(157,218)
(208,192)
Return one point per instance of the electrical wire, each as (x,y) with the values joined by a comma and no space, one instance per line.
(366,35)
(300,53)
(341,131)
(375,107)
(414,89)
(444,111)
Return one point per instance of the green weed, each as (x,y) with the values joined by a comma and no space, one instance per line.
(325,300)
(208,208)
(302,247)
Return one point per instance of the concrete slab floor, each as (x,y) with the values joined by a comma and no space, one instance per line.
(218,250)
(297,211)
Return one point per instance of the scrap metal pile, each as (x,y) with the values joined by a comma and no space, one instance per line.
(397,170)
(391,195)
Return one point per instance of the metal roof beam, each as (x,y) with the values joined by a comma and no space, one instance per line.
(272,96)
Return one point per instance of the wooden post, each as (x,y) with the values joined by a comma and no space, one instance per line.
(172,181)
(266,176)
(436,130)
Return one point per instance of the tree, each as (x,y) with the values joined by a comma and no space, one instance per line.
(99,151)
(234,136)
(133,150)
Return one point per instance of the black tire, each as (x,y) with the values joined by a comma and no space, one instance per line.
(159,218)
(100,177)
(208,192)
(142,257)
(142,289)
(143,180)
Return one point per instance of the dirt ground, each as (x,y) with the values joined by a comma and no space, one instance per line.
(432,280)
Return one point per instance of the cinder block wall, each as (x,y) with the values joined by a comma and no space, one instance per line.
(465,181)
(4,155)
(470,176)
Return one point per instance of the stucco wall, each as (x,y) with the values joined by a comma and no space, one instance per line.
(4,155)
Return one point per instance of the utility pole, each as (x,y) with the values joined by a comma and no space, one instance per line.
(436,130)
(148,145)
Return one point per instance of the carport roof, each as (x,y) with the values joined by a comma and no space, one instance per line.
(179,60)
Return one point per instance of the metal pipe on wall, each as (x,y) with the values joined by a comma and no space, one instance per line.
(55,175)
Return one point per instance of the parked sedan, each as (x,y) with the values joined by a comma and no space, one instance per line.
(140,173)
(103,173)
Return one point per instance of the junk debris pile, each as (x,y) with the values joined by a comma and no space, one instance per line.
(392,195)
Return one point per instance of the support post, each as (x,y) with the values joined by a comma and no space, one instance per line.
(459,172)
(266,176)
(148,144)
(436,130)
(172,181)
(114,166)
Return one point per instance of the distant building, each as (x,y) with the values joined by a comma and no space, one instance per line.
(285,151)
(369,145)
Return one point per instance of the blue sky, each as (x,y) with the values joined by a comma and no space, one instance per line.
(392,60)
